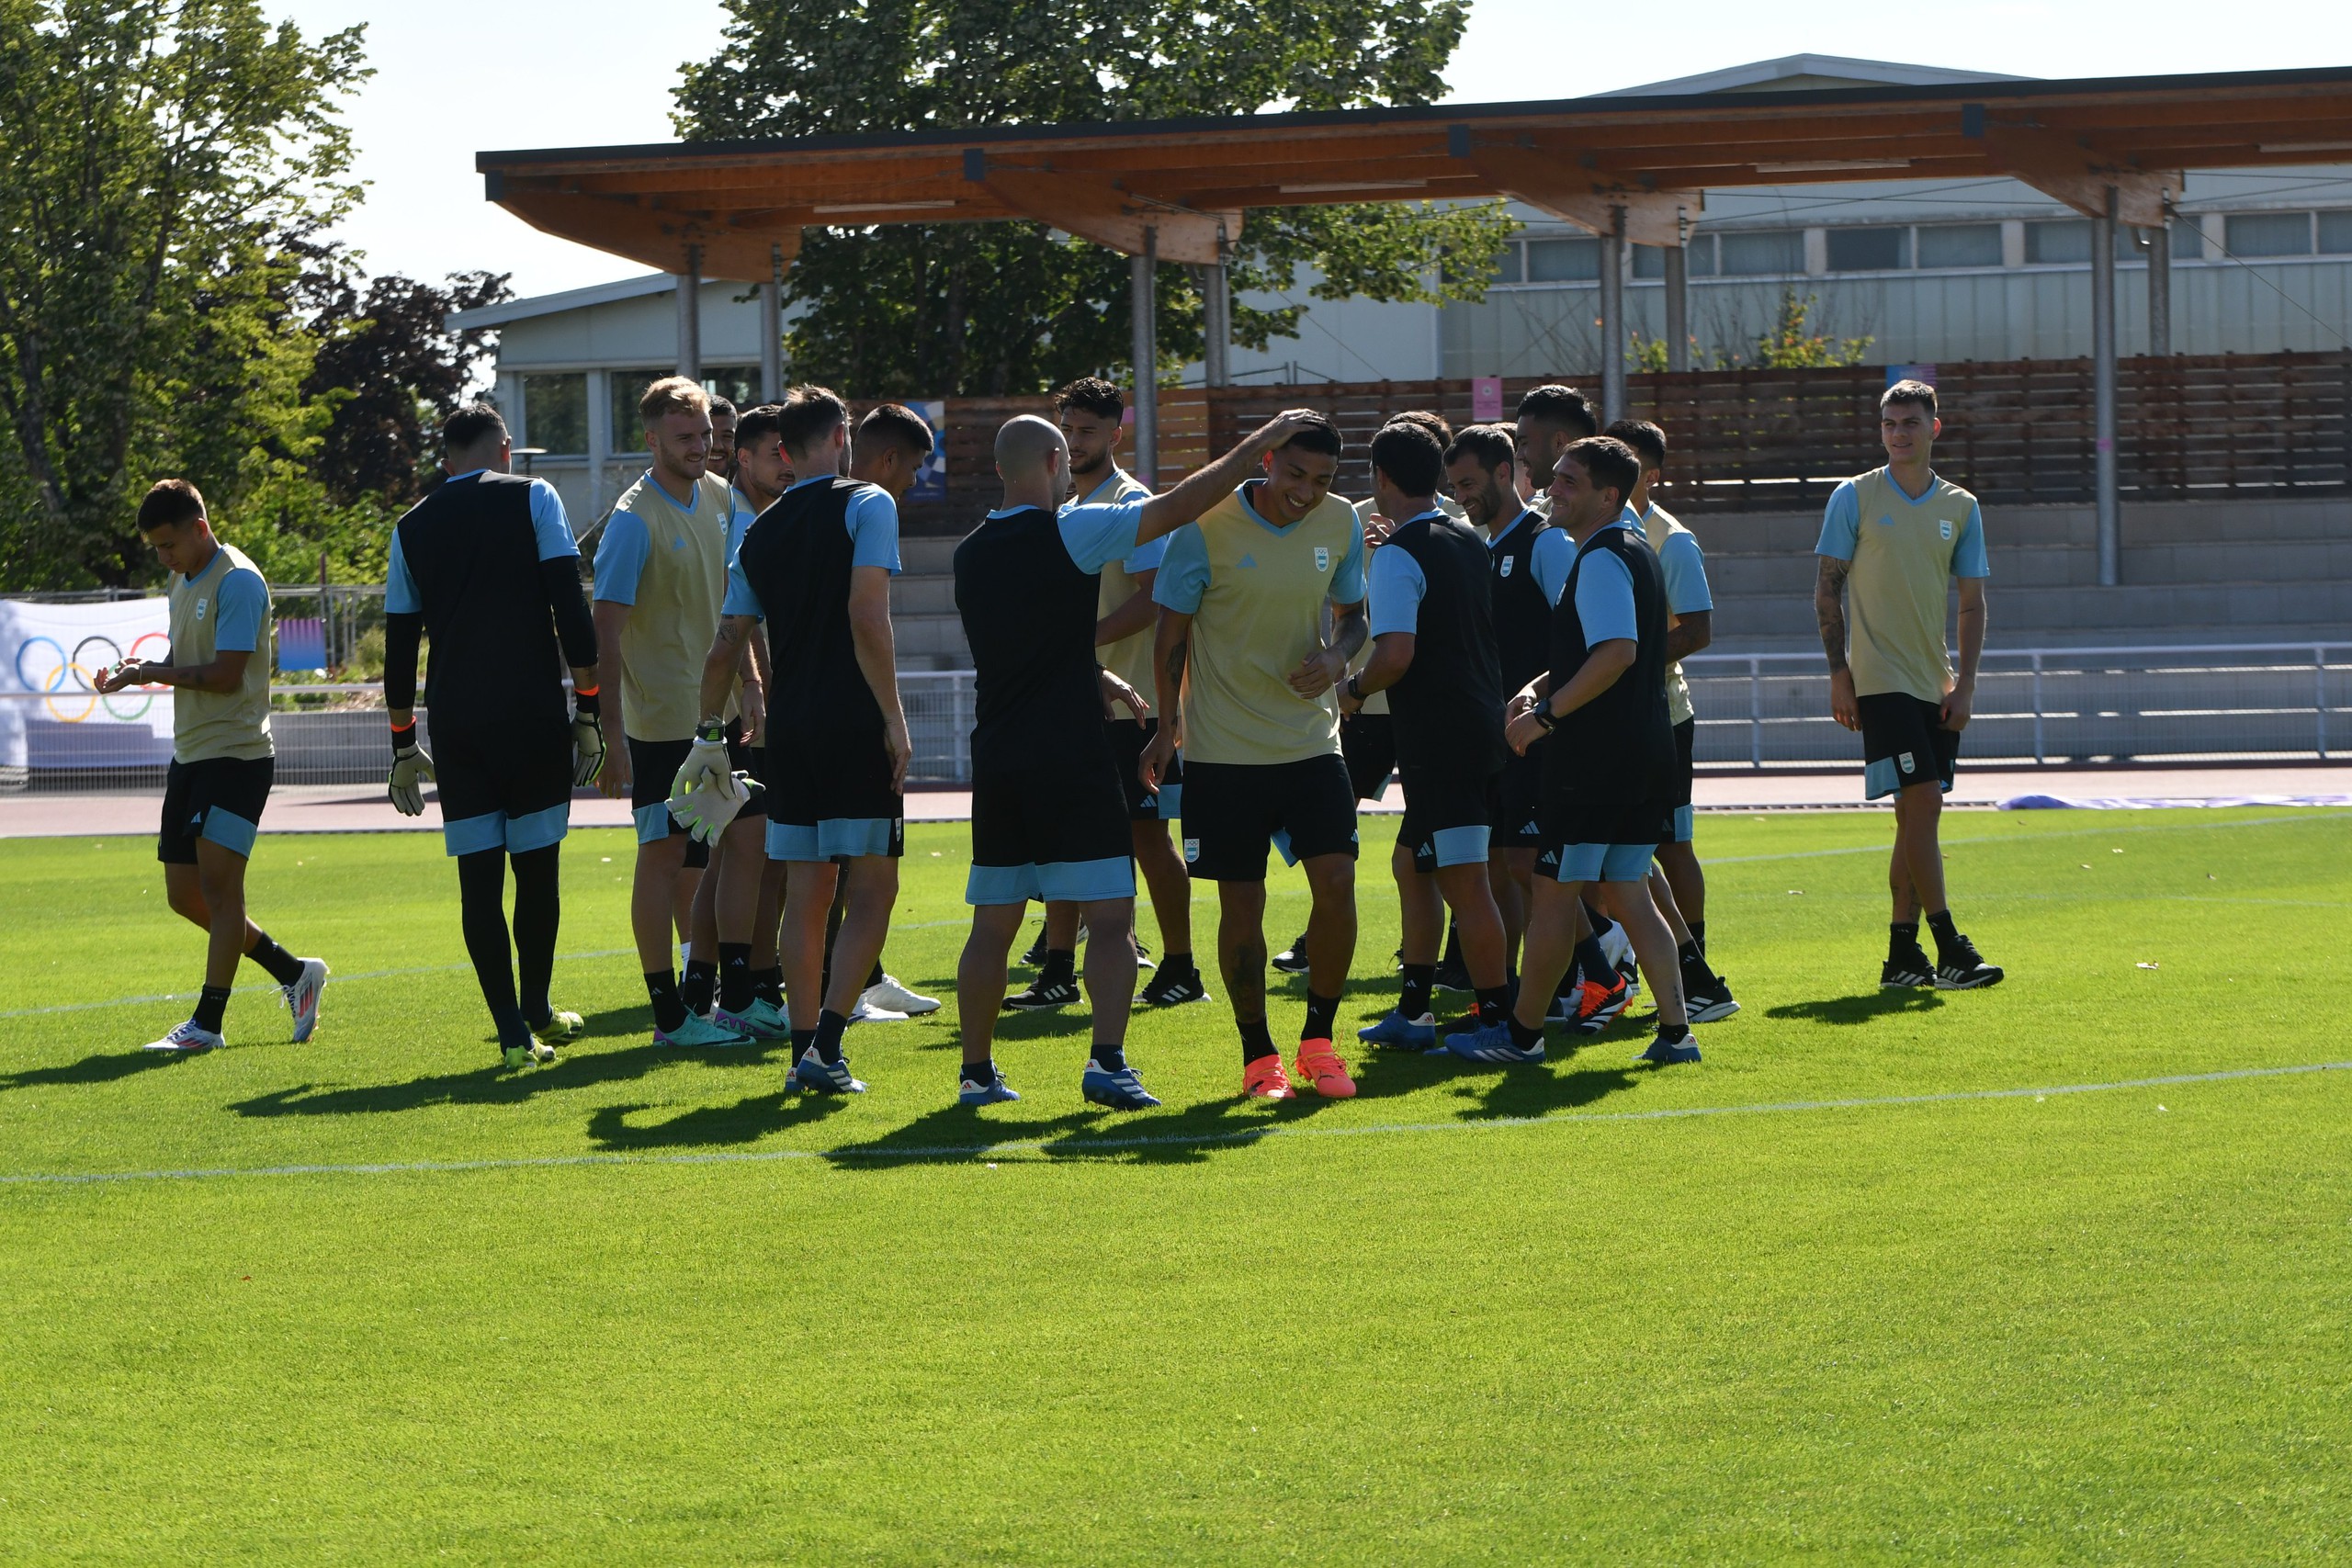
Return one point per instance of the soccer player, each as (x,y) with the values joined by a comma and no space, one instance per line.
(1433,650)
(1050,819)
(1089,413)
(1677,884)
(223,758)
(722,439)
(486,567)
(1893,541)
(1528,561)
(761,473)
(661,574)
(1244,677)
(1600,716)
(815,568)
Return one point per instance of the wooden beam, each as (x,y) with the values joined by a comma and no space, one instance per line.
(2081,176)
(1560,189)
(1097,209)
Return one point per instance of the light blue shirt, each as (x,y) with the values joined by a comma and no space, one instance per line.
(1095,534)
(551,530)
(1605,592)
(238,607)
(1549,558)
(1841,529)
(1398,586)
(620,557)
(872,519)
(1684,566)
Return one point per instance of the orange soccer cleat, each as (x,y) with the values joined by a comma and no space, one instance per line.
(1264,1080)
(1324,1071)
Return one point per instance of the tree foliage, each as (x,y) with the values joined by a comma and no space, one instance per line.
(1011,307)
(156,153)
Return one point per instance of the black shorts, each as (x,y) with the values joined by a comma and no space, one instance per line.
(1449,815)
(1602,841)
(1368,741)
(829,804)
(1234,810)
(1686,741)
(1519,804)
(1128,739)
(220,798)
(1053,832)
(653,767)
(515,795)
(1903,743)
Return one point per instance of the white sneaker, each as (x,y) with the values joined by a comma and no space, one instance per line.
(891,995)
(187,1040)
(303,997)
(867,1012)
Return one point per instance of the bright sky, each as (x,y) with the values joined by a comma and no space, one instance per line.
(567,73)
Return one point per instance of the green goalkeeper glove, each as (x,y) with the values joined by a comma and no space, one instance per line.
(412,767)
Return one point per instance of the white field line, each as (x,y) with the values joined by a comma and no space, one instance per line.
(854,1154)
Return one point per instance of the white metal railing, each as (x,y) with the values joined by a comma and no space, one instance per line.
(2043,705)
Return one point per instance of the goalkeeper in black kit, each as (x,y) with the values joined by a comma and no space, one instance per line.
(486,567)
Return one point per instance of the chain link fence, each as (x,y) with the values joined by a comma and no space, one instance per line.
(2247,702)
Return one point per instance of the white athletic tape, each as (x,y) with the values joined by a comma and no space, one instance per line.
(851,1153)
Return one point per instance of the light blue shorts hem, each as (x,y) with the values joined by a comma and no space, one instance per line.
(471,835)
(1686,824)
(853,836)
(1882,778)
(1461,846)
(231,832)
(539,829)
(1171,802)
(1606,862)
(1280,839)
(653,822)
(1075,882)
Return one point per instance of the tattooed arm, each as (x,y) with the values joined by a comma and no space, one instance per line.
(1170,650)
(1829,613)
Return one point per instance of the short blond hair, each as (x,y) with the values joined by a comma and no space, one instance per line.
(671,394)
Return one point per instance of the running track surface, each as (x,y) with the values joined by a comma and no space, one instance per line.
(345,808)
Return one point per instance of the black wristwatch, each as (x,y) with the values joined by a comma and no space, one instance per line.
(1354,690)
(1544,717)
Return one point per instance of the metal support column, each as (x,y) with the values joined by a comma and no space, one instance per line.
(2159,290)
(690,315)
(1677,307)
(771,330)
(1143,305)
(2110,514)
(1216,326)
(1612,318)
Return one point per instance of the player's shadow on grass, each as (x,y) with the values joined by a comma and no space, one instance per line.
(105,1066)
(1859,1008)
(956,1133)
(486,1084)
(710,1126)
(1492,1093)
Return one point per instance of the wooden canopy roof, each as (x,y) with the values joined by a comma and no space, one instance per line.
(1639,160)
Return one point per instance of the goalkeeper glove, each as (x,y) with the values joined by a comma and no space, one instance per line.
(411,766)
(706,763)
(587,737)
(706,810)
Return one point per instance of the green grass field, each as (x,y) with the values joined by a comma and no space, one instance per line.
(638,1308)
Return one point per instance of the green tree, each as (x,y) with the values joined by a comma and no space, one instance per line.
(1790,343)
(1008,306)
(157,156)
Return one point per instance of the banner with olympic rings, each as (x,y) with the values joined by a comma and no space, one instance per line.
(51,714)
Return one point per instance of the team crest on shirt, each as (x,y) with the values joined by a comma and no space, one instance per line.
(1508,561)
(200,603)
(1322,557)
(1944,527)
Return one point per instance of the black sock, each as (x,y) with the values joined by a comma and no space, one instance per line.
(702,983)
(1494,1002)
(481,917)
(1174,962)
(734,975)
(282,966)
(1257,1041)
(767,985)
(1322,1017)
(1694,964)
(1948,937)
(1523,1037)
(209,1005)
(830,1027)
(1593,963)
(1110,1058)
(982,1072)
(1059,965)
(1902,939)
(1452,944)
(1413,998)
(538,917)
(662,985)
(1699,935)
(1674,1034)
(801,1039)
(1601,922)
(876,977)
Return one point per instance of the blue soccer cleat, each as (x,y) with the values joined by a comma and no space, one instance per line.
(1398,1033)
(996,1091)
(1667,1053)
(1492,1044)
(1120,1090)
(817,1075)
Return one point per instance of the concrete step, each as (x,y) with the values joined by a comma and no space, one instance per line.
(2237,611)
(923,593)
(2059,566)
(2145,524)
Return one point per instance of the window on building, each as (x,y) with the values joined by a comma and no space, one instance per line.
(2335,233)
(2064,242)
(1780,251)
(1563,261)
(627,386)
(1508,268)
(2188,240)
(2268,233)
(738,384)
(555,414)
(1869,249)
(1959,244)
(1698,258)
